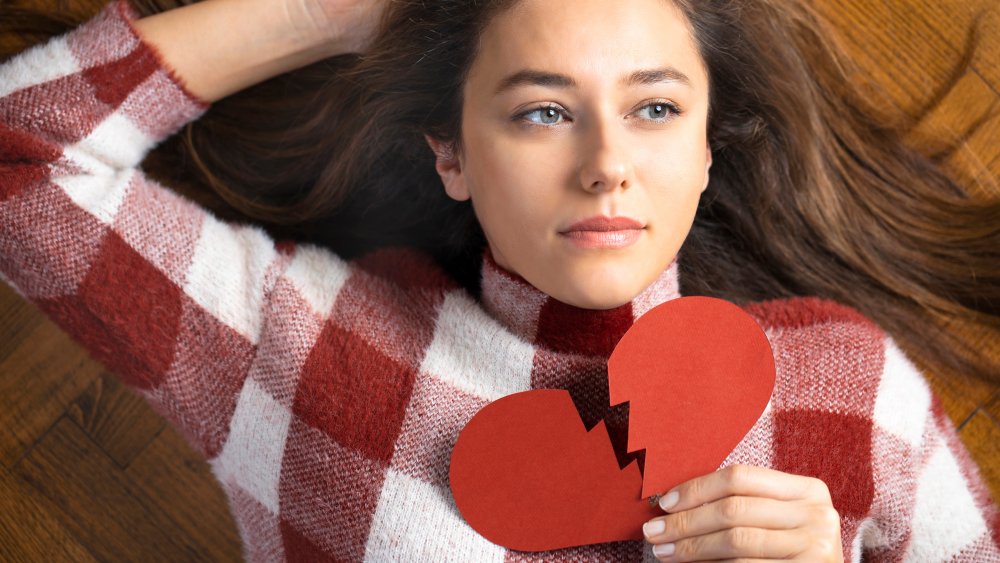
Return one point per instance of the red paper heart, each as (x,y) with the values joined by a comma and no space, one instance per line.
(525,473)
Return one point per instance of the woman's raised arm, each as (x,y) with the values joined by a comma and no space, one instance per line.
(219,47)
(162,293)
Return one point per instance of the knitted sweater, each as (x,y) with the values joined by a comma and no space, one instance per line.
(327,395)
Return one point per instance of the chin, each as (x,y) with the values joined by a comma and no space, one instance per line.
(593,284)
(601,298)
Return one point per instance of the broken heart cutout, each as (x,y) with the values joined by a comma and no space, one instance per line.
(526,474)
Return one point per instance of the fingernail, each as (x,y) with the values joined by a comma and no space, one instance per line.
(668,500)
(654,528)
(663,550)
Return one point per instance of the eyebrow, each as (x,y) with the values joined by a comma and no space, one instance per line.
(553,80)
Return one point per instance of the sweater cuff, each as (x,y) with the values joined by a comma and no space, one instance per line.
(131,74)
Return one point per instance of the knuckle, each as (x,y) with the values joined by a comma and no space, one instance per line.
(825,548)
(694,490)
(827,519)
(736,475)
(688,550)
(732,509)
(742,540)
(819,489)
(680,525)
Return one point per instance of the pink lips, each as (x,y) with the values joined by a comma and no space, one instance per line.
(604,232)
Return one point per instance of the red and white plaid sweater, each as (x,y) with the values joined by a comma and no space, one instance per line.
(327,394)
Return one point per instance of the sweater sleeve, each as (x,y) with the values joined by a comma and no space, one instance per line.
(162,293)
(934,505)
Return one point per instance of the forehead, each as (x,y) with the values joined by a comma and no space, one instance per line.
(588,39)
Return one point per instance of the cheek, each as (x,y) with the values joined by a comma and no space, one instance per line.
(674,175)
(673,170)
(513,187)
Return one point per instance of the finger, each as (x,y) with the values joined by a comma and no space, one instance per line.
(734,543)
(729,512)
(743,480)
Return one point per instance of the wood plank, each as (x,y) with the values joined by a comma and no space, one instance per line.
(116,418)
(28,532)
(976,165)
(41,373)
(904,59)
(100,505)
(993,408)
(962,110)
(987,60)
(974,21)
(18,320)
(962,131)
(982,437)
(183,486)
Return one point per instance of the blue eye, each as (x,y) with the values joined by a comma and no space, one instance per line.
(548,115)
(659,111)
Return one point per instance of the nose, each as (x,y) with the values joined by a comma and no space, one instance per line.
(605,164)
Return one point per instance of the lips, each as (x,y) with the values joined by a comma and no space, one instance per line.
(605,224)
(604,232)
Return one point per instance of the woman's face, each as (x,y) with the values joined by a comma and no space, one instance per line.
(576,112)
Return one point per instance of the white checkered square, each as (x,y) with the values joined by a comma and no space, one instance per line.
(946,518)
(118,142)
(100,195)
(227,274)
(252,454)
(416,521)
(38,65)
(474,353)
(904,399)
(318,275)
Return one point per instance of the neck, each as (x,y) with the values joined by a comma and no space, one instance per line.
(557,326)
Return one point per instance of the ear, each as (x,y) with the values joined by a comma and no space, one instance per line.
(708,165)
(449,167)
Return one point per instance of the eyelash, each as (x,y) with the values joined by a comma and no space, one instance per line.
(673,110)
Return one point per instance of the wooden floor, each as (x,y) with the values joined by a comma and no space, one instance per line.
(89,472)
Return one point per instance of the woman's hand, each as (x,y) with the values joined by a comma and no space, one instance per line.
(747,513)
(351,24)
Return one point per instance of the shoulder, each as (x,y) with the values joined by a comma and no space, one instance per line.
(806,325)
(390,284)
(804,312)
(829,356)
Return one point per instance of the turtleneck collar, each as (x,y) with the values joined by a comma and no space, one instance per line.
(549,323)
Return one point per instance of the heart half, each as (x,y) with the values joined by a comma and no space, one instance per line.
(526,474)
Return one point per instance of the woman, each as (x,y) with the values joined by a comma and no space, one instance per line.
(586,155)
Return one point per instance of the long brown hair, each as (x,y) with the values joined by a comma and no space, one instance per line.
(809,193)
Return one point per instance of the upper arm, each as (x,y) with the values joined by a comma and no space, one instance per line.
(934,505)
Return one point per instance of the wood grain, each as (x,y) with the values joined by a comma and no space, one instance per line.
(178,480)
(115,418)
(99,505)
(41,372)
(983,431)
(29,531)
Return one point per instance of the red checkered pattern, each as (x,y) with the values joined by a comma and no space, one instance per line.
(327,395)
